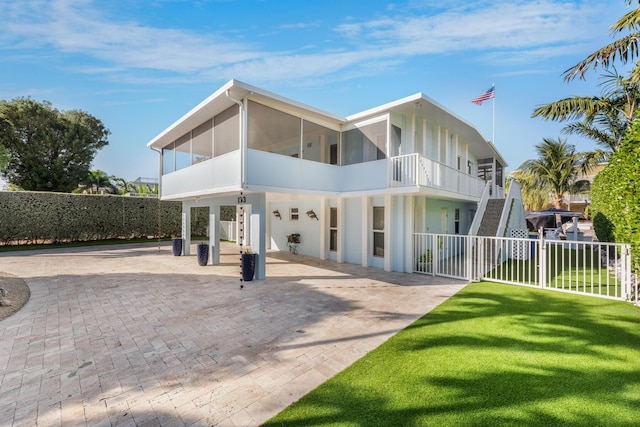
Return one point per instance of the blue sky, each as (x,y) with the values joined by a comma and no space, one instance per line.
(140,65)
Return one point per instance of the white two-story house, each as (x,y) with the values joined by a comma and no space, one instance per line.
(354,188)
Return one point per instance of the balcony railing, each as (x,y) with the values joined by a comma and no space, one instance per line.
(415,170)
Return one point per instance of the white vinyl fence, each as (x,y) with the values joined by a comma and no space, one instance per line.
(592,268)
(228,230)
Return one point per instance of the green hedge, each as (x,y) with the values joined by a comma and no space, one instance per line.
(615,196)
(41,217)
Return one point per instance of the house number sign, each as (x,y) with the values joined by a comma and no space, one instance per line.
(242,200)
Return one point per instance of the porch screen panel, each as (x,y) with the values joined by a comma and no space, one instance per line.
(202,142)
(226,131)
(365,143)
(319,142)
(273,131)
(168,159)
(183,151)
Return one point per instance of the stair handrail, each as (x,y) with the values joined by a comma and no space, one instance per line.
(514,193)
(482,207)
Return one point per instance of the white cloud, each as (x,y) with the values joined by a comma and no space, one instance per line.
(515,32)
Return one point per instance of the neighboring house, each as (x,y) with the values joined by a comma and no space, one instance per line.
(149,183)
(578,202)
(354,188)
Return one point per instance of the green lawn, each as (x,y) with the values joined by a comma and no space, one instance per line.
(491,355)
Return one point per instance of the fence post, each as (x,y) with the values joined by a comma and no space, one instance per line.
(625,273)
(542,260)
(469,259)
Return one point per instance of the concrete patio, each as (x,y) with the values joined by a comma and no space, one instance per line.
(131,335)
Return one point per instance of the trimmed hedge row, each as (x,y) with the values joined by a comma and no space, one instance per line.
(41,217)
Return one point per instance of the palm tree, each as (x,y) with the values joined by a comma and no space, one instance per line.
(603,118)
(624,49)
(557,169)
(98,181)
(535,195)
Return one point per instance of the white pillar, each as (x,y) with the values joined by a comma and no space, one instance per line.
(214,234)
(341,222)
(258,235)
(409,256)
(324,226)
(186,228)
(365,232)
(388,231)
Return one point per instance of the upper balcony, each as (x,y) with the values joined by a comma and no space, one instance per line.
(245,139)
(270,172)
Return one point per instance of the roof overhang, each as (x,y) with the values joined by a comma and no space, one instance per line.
(230,94)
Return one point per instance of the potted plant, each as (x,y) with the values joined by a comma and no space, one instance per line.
(176,245)
(425,261)
(248,262)
(203,253)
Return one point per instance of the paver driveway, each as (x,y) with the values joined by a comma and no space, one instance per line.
(131,335)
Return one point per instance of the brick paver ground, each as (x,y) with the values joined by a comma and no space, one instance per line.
(133,336)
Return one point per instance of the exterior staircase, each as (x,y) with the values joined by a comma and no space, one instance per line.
(491,218)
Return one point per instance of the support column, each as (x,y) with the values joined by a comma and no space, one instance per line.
(186,228)
(258,235)
(214,234)
(389,220)
(409,255)
(324,225)
(365,232)
(341,222)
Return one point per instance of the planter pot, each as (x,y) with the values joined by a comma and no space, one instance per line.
(203,254)
(176,245)
(248,267)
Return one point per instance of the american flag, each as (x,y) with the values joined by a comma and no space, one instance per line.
(487,95)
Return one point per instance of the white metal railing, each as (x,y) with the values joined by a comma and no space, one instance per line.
(441,254)
(482,207)
(589,268)
(416,170)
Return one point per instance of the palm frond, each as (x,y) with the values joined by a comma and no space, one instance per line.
(629,21)
(625,49)
(571,108)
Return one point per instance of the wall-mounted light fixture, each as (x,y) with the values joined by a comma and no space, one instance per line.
(312,215)
(276,213)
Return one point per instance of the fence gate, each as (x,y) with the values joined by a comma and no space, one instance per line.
(590,268)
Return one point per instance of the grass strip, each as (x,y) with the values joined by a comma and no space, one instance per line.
(493,354)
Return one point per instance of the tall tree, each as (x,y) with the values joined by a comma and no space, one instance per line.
(4,158)
(624,49)
(49,150)
(557,169)
(604,118)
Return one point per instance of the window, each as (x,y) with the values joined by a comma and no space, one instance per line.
(333,229)
(168,159)
(202,142)
(226,131)
(319,142)
(273,131)
(365,143)
(378,231)
(293,214)
(183,151)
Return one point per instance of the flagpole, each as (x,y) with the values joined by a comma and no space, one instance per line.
(493,133)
